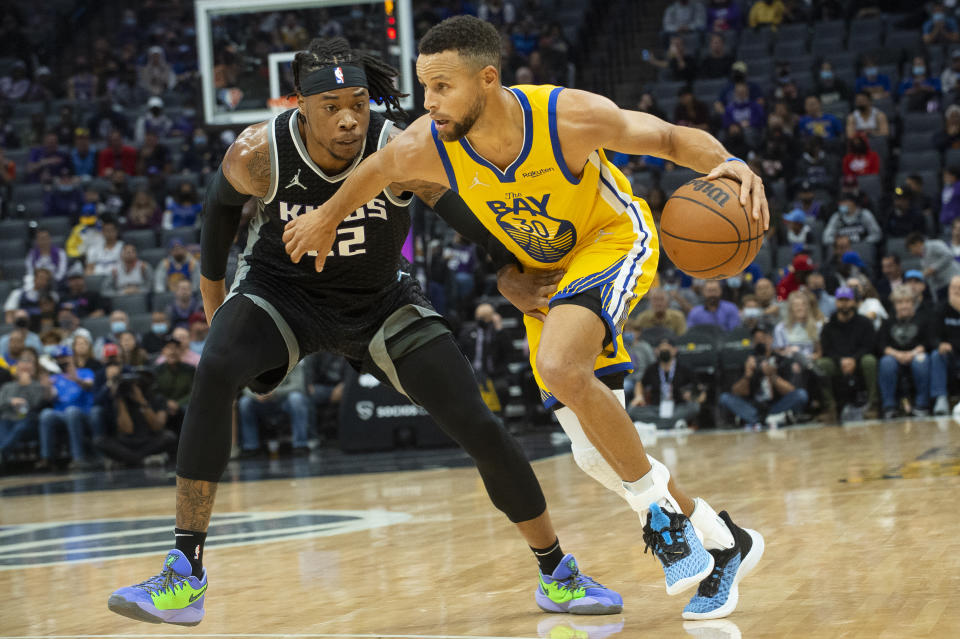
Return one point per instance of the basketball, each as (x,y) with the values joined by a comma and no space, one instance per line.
(706,232)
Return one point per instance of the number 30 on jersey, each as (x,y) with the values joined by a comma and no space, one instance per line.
(350,239)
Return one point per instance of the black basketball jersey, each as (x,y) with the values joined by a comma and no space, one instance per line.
(366,251)
(363,278)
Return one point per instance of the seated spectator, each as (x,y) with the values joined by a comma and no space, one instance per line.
(496,12)
(118,197)
(131,276)
(950,76)
(488,348)
(201,155)
(830,89)
(950,196)
(945,356)
(857,223)
(178,265)
(735,140)
(154,340)
(174,382)
(184,305)
(724,15)
(131,419)
(153,157)
(642,355)
(46,162)
(83,84)
(743,110)
(922,201)
(848,366)
(796,277)
(659,315)
(116,156)
(682,65)
(153,121)
(766,294)
(199,329)
(868,300)
(799,234)
(691,111)
(82,346)
(29,297)
(866,119)
(816,285)
(83,157)
(69,323)
(156,76)
(119,324)
(817,123)
(860,158)
(144,212)
(738,73)
(182,210)
(777,158)
(939,267)
(949,138)
(65,197)
(714,310)
(798,336)
(15,344)
(892,275)
(771,385)
(667,395)
(807,201)
(290,398)
(105,121)
(718,61)
(941,28)
(766,13)
(324,376)
(682,16)
(901,344)
(816,167)
(20,401)
(187,355)
(750,312)
(45,255)
(15,87)
(104,256)
(648,104)
(914,279)
(79,300)
(73,397)
(903,219)
(919,90)
(871,81)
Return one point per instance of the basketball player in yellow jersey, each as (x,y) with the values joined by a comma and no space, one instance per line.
(528,161)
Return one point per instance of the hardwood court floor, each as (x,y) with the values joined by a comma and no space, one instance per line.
(860,523)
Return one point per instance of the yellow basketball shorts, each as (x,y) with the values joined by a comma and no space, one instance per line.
(609,279)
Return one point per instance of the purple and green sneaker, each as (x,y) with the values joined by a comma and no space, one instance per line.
(675,543)
(174,596)
(569,590)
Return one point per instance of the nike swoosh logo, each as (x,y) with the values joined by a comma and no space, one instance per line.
(197,595)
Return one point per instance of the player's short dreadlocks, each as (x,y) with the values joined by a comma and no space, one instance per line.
(325,52)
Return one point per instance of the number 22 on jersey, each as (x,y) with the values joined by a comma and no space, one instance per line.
(350,239)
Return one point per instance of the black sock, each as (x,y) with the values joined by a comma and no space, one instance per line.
(548,558)
(190,543)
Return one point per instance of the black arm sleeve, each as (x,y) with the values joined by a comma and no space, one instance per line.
(458,215)
(222,210)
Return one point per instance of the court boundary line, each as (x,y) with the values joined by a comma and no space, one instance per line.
(271,635)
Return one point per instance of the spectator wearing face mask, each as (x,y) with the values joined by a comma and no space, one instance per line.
(919,90)
(855,222)
(871,81)
(667,395)
(830,89)
(866,119)
(154,120)
(154,340)
(860,158)
(119,322)
(714,310)
(848,366)
(182,210)
(941,28)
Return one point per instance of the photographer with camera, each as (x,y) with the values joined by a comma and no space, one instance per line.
(134,420)
(771,385)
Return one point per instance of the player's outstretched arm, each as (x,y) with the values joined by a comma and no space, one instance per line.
(411,156)
(587,121)
(245,171)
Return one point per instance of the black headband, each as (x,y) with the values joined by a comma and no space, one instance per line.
(332,78)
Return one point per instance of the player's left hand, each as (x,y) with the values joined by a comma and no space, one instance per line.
(528,290)
(751,189)
(314,231)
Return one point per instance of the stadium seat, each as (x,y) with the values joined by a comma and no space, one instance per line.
(872,187)
(13,269)
(160,301)
(654,334)
(141,238)
(703,334)
(6,286)
(23,191)
(670,181)
(58,226)
(896,246)
(708,90)
(920,160)
(98,326)
(764,260)
(95,282)
(140,323)
(922,123)
(10,247)
(131,304)
(907,41)
(189,236)
(152,255)
(790,48)
(702,359)
(791,33)
(881,145)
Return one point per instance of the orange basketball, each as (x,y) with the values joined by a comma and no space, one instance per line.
(705,231)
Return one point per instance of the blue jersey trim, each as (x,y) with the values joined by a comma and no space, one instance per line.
(510,175)
(555,137)
(451,176)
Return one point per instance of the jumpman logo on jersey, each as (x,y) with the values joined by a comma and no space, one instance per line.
(476,180)
(296,181)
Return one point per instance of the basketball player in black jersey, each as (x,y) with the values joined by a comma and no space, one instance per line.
(363,306)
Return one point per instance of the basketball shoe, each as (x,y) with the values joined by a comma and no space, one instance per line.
(569,590)
(174,596)
(675,543)
(718,594)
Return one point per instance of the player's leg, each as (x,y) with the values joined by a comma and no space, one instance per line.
(244,342)
(439,378)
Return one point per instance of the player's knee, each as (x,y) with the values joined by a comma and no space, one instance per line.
(215,367)
(563,377)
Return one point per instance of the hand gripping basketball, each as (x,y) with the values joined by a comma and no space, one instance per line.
(751,189)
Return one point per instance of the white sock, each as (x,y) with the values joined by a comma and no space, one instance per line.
(714,531)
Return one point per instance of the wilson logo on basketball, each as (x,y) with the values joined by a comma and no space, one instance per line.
(711,190)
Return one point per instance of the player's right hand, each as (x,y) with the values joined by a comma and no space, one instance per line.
(530,291)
